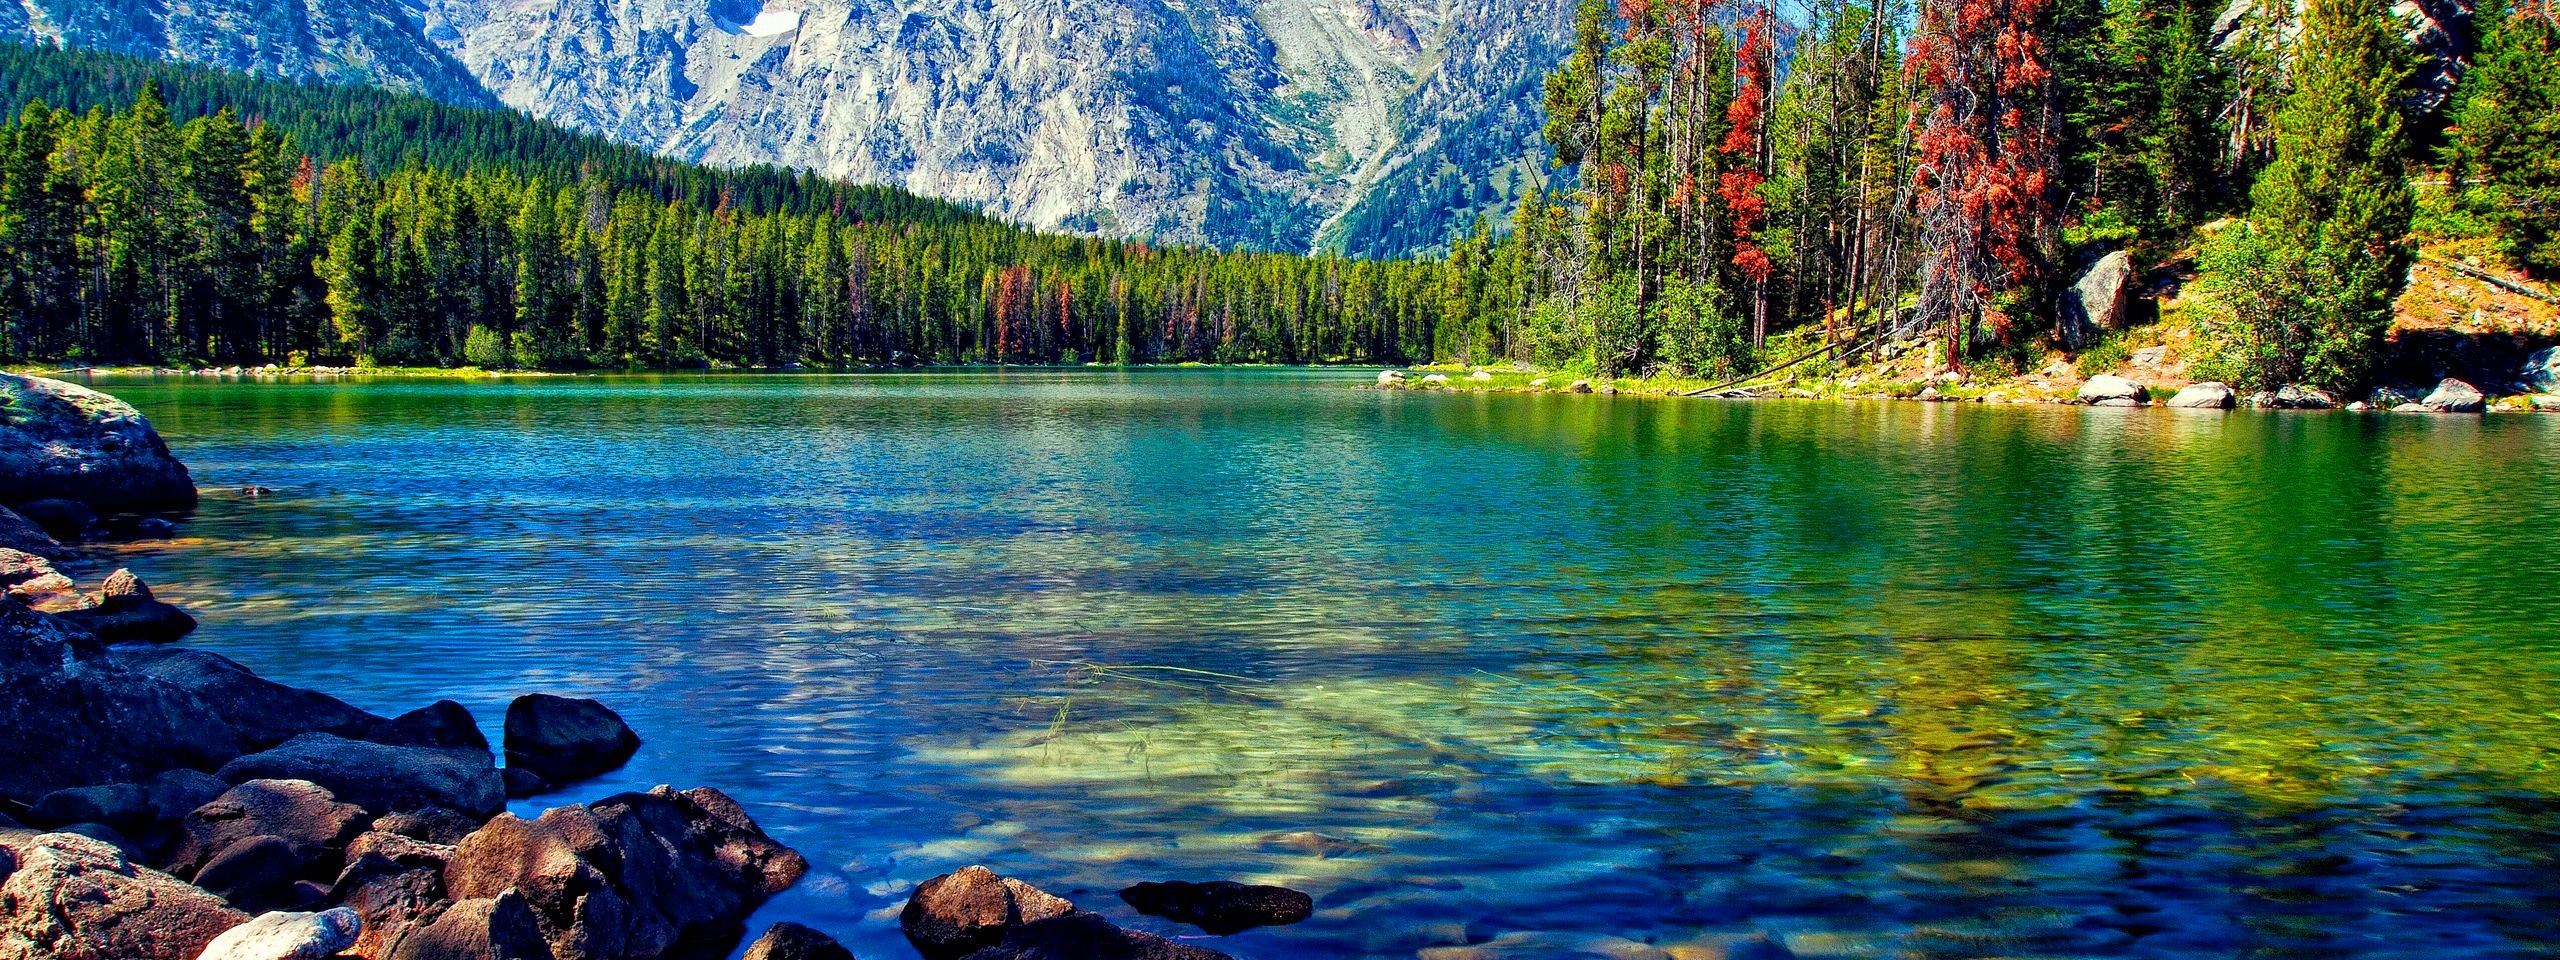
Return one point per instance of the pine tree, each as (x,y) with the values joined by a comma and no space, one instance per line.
(2505,145)
(2304,290)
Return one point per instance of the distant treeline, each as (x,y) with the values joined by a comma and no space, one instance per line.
(262,221)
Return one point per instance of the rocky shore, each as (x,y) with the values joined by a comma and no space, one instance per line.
(162,803)
(2535,387)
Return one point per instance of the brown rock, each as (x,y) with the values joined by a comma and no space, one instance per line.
(67,897)
(304,816)
(791,941)
(971,908)
(496,928)
(631,876)
(256,874)
(396,884)
(563,740)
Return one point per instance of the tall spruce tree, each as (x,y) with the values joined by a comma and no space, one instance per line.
(2303,291)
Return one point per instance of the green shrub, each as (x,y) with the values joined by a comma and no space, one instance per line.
(2105,355)
(481,348)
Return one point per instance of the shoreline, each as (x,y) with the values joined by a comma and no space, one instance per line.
(159,802)
(2054,391)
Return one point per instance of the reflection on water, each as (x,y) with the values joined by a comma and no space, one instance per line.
(1488,675)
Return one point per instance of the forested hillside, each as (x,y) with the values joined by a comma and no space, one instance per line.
(262,222)
(1946,170)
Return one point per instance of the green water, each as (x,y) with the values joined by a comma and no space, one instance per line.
(1559,676)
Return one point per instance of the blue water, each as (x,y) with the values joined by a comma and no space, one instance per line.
(1551,676)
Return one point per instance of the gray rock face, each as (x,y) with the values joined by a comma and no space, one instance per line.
(2100,299)
(2541,372)
(380,777)
(563,739)
(970,909)
(2455,396)
(287,936)
(2209,395)
(66,897)
(2105,387)
(631,876)
(65,440)
(353,41)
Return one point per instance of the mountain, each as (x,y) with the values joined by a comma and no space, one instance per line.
(1372,126)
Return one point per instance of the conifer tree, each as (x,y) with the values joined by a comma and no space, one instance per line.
(2303,291)
(2505,147)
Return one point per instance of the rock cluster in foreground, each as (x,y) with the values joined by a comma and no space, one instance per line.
(183,808)
(66,441)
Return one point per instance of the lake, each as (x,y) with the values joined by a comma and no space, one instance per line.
(1490,676)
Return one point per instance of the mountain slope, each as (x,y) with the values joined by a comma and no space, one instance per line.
(341,41)
(1278,124)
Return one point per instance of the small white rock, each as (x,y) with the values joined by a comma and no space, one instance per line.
(287,936)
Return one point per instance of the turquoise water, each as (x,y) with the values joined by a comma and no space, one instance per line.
(1552,676)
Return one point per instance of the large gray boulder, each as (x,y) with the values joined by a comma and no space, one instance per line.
(564,739)
(631,876)
(287,936)
(380,777)
(64,440)
(2455,396)
(2105,387)
(970,909)
(68,897)
(2209,395)
(2100,300)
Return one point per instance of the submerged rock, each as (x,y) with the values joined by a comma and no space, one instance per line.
(2455,396)
(1220,906)
(957,913)
(2209,395)
(380,777)
(563,739)
(287,936)
(125,612)
(68,441)
(67,897)
(791,941)
(1087,936)
(631,876)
